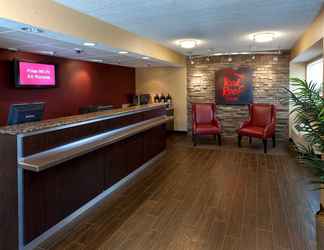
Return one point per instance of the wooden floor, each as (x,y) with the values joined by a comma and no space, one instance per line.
(203,198)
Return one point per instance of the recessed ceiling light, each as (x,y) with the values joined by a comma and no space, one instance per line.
(89,44)
(264,37)
(96,60)
(188,43)
(32,29)
(46,52)
(13,49)
(145,58)
(123,52)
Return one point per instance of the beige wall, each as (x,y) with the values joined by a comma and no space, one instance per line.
(313,34)
(166,80)
(309,46)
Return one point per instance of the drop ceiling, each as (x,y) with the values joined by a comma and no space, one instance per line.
(12,37)
(222,25)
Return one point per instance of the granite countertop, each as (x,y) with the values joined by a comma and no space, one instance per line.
(71,120)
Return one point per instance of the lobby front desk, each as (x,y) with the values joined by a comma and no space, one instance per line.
(51,169)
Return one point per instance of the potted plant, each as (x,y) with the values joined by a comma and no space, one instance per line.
(308,108)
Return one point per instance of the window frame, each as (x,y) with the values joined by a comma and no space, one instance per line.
(313,62)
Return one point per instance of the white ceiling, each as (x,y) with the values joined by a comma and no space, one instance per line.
(11,36)
(222,25)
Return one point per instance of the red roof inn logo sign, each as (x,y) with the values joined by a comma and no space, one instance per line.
(234,86)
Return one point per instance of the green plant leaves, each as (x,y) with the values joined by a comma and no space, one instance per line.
(308,108)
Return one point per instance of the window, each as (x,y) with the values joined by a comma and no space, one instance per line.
(314,73)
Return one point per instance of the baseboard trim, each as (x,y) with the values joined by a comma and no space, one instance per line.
(179,132)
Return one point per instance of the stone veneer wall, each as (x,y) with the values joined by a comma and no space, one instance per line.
(270,77)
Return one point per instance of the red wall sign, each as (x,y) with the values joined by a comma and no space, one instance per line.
(234,86)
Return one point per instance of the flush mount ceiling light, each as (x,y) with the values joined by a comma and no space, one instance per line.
(89,44)
(145,58)
(32,29)
(263,37)
(188,43)
(123,52)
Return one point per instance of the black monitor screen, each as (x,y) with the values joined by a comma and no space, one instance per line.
(25,112)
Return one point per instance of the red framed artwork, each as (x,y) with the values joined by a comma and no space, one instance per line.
(234,86)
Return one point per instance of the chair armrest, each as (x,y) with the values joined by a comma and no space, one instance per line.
(245,124)
(216,122)
(269,129)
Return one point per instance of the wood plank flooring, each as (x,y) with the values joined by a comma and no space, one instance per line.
(216,198)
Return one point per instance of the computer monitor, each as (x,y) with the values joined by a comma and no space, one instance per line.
(25,112)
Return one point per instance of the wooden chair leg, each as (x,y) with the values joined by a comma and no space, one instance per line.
(219,140)
(265,142)
(250,140)
(194,140)
(274,141)
(239,140)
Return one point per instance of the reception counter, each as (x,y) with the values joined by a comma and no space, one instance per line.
(53,169)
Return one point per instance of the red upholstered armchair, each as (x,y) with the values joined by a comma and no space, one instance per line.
(204,121)
(262,124)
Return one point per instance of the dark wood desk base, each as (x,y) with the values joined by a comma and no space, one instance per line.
(55,193)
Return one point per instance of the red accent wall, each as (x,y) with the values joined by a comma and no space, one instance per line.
(79,84)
